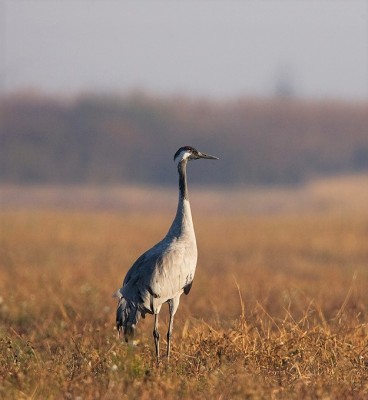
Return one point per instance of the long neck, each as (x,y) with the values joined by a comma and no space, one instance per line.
(183,186)
(182,224)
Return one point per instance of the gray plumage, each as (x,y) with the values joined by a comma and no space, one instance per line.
(165,271)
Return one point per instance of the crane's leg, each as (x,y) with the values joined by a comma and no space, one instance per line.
(173,306)
(156,337)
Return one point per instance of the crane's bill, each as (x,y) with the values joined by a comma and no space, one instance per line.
(207,156)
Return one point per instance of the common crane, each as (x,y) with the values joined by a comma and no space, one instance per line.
(165,271)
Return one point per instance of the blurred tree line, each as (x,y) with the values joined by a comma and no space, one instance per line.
(132,139)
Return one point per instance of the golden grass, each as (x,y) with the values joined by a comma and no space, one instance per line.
(278,309)
(347,193)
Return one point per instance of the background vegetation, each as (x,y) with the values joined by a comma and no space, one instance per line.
(107,139)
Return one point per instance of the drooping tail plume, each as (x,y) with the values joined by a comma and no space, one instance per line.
(127,317)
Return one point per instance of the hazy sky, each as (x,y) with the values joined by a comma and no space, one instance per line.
(200,48)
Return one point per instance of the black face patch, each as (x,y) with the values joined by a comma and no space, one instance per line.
(187,148)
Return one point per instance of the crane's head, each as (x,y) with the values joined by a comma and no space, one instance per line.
(190,153)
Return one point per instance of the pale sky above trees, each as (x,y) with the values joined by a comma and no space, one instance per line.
(197,48)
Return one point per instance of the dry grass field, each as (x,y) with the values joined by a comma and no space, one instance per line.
(278,309)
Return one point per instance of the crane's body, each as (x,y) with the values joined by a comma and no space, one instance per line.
(164,272)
